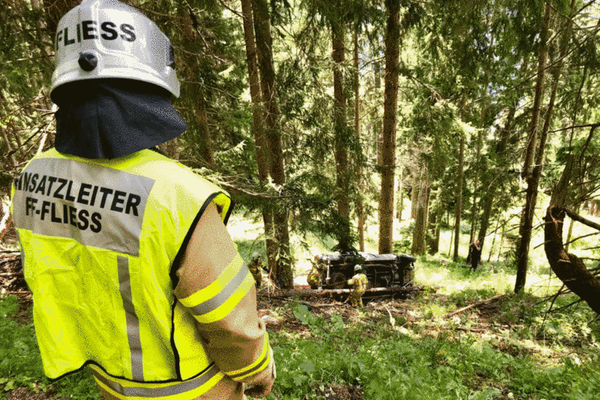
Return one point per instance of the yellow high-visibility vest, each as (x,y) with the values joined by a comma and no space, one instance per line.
(100,239)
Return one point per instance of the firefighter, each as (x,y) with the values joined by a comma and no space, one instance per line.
(132,269)
(314,276)
(359,282)
(255,265)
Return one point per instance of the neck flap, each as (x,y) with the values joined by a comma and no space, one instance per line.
(111,118)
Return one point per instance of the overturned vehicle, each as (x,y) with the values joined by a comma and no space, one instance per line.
(388,274)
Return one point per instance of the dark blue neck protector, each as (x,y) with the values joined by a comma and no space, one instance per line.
(111,118)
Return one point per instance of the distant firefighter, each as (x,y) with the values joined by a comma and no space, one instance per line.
(475,248)
(255,265)
(314,276)
(359,281)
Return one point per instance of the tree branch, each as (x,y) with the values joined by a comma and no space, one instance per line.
(576,217)
(593,126)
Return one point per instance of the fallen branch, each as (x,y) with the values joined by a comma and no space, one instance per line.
(474,330)
(479,303)
(322,305)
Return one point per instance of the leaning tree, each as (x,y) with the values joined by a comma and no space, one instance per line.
(579,184)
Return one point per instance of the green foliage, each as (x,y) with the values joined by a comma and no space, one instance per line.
(469,295)
(392,361)
(392,365)
(9,305)
(21,363)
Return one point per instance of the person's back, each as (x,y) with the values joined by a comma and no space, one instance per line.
(475,252)
(126,253)
(359,282)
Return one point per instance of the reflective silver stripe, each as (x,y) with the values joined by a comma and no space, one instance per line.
(133,324)
(251,371)
(95,205)
(171,390)
(216,301)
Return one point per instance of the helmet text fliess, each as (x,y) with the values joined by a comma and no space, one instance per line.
(109,39)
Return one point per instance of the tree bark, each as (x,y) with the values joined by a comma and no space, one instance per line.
(459,189)
(189,35)
(534,178)
(359,200)
(434,231)
(204,132)
(341,136)
(569,268)
(502,162)
(282,271)
(258,129)
(419,245)
(386,200)
(400,198)
(532,174)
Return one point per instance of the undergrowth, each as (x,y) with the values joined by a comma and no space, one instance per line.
(393,363)
(518,352)
(21,363)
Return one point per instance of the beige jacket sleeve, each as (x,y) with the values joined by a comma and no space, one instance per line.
(216,286)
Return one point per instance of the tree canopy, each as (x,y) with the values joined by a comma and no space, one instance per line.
(496,103)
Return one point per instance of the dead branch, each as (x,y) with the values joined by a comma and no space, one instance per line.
(39,129)
(569,305)
(479,303)
(321,305)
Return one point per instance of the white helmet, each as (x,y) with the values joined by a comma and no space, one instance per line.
(109,39)
(357,268)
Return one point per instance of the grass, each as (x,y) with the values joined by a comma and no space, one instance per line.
(395,350)
(395,363)
(422,355)
(21,364)
(521,352)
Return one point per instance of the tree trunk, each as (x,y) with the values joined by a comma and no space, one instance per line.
(400,200)
(203,130)
(569,268)
(419,245)
(341,137)
(386,200)
(529,173)
(459,189)
(533,178)
(189,35)
(258,129)
(433,236)
(502,160)
(282,271)
(571,224)
(359,200)
(414,195)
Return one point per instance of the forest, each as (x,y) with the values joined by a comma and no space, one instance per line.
(412,126)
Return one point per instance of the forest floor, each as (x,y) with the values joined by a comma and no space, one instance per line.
(428,311)
(283,319)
